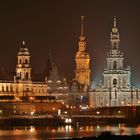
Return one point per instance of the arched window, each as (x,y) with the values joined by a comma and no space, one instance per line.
(7,89)
(110,95)
(19,61)
(115,46)
(2,88)
(11,89)
(114,81)
(115,65)
(115,94)
(20,75)
(27,75)
(26,61)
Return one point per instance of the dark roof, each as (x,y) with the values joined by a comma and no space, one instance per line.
(6,97)
(45,97)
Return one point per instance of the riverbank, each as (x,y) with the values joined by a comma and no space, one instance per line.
(43,120)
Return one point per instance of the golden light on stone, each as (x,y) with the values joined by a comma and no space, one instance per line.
(82,73)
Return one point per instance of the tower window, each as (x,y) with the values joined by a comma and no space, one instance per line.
(115,65)
(115,94)
(2,88)
(27,75)
(115,45)
(19,61)
(137,96)
(20,75)
(11,89)
(114,81)
(26,61)
(110,95)
(7,88)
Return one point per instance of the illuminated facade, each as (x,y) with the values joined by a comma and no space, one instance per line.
(22,87)
(82,58)
(116,88)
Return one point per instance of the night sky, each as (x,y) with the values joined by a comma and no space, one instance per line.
(55,25)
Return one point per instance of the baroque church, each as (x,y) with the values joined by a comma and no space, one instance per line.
(116,88)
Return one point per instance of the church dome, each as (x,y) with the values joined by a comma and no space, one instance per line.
(82,55)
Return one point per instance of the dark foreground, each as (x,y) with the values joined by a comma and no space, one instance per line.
(108,136)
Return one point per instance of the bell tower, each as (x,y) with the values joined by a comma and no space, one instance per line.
(23,68)
(82,58)
(116,74)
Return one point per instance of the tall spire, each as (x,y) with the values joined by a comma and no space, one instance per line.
(50,58)
(114,36)
(23,43)
(114,21)
(82,29)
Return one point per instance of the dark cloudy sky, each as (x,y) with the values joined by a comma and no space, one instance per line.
(55,25)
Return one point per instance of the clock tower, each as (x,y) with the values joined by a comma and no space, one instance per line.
(82,58)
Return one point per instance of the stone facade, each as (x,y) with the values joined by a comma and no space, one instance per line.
(116,88)
(82,58)
(22,85)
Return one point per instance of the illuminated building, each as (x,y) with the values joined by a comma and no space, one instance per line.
(80,85)
(82,58)
(116,88)
(22,88)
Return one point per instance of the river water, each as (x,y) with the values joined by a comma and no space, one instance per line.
(64,132)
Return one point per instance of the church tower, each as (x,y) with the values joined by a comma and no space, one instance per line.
(116,88)
(115,73)
(23,69)
(82,58)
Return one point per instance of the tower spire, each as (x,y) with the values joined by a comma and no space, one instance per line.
(82,29)
(114,36)
(23,43)
(114,21)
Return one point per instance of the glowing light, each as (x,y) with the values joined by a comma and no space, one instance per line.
(97,112)
(68,120)
(32,113)
(23,42)
(67,106)
(32,129)
(65,112)
(98,127)
(68,127)
(122,102)
(17,98)
(119,111)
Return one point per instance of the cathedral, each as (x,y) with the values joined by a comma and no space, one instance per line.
(116,88)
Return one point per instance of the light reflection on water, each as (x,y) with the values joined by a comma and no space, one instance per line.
(67,131)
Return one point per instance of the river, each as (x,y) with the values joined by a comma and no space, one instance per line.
(64,132)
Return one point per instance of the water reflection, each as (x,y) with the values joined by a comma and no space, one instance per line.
(67,131)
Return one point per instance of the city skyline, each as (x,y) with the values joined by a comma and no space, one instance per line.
(46,26)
